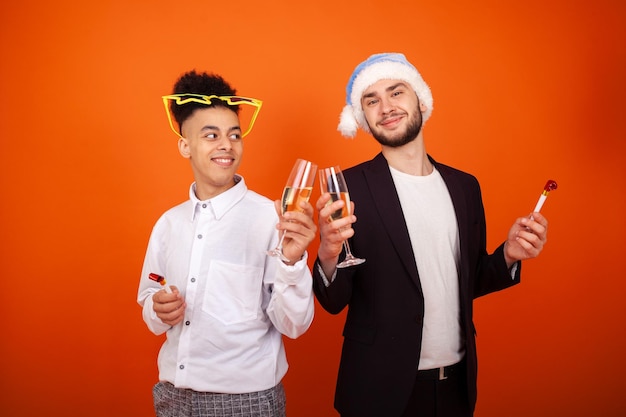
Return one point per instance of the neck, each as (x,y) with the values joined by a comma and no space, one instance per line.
(410,159)
(207,191)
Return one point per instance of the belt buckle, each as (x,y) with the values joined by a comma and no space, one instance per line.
(442,373)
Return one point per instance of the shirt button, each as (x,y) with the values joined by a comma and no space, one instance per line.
(187,322)
(193,280)
(181,366)
(204,205)
(199,236)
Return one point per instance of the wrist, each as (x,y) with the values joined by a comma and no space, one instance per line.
(510,261)
(287,261)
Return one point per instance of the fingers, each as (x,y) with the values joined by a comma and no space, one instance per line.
(530,241)
(527,237)
(297,223)
(537,224)
(540,219)
(325,209)
(305,216)
(299,229)
(307,208)
(332,232)
(327,225)
(321,202)
(169,307)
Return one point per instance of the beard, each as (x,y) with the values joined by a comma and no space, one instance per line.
(412,130)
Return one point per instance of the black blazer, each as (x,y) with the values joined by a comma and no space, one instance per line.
(383,329)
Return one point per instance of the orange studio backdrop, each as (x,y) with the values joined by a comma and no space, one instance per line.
(524,92)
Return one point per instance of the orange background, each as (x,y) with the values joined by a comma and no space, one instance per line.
(524,92)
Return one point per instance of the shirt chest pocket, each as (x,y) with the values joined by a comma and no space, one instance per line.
(233,292)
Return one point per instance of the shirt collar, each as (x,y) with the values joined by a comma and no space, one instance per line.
(221,203)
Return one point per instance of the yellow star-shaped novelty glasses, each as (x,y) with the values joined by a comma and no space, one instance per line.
(180,99)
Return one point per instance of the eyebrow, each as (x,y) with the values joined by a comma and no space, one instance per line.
(388,89)
(211,127)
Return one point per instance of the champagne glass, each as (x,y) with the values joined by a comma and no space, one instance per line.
(298,188)
(332,181)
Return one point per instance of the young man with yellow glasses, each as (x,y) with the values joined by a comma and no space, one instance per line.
(226,304)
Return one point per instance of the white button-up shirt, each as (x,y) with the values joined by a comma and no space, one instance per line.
(239,300)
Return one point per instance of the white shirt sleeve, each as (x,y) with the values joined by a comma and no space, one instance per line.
(291,305)
(155,325)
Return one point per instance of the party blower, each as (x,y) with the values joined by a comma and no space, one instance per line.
(550,186)
(160,280)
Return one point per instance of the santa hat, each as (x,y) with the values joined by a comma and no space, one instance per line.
(387,66)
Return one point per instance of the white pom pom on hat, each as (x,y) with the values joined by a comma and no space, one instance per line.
(385,66)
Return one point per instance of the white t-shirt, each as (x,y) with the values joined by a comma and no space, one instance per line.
(433,230)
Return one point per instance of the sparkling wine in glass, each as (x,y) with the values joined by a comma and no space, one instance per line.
(332,182)
(298,189)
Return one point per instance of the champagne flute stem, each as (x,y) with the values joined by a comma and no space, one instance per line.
(280,242)
(350,259)
(347,248)
(279,248)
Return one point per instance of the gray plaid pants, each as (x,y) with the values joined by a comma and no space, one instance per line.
(170,401)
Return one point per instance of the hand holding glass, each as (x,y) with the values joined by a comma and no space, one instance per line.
(332,181)
(298,189)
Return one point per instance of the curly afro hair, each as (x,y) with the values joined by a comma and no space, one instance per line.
(200,83)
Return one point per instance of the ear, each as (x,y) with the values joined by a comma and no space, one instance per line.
(423,107)
(183,148)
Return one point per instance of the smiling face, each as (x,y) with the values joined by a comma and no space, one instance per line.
(212,142)
(393,112)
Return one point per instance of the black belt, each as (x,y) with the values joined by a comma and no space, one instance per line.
(439,374)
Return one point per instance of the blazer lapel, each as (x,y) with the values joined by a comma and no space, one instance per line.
(387,204)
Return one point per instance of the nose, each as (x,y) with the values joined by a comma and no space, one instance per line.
(386,106)
(225,143)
